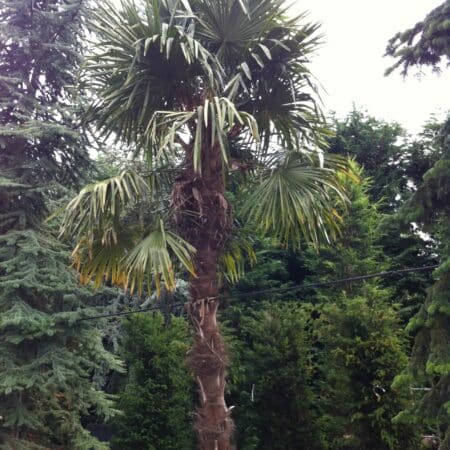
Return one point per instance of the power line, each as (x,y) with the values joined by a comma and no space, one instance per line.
(335,282)
(126,313)
(275,290)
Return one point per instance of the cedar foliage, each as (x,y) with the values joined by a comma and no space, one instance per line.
(47,357)
(427,43)
(360,343)
(272,378)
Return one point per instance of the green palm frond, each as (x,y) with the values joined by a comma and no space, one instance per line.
(99,206)
(214,119)
(283,95)
(293,201)
(231,27)
(151,260)
(218,116)
(147,61)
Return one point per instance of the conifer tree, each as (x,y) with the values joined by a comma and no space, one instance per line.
(395,164)
(359,342)
(427,43)
(272,379)
(47,356)
(157,395)
(429,370)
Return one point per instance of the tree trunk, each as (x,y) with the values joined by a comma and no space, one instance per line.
(203,217)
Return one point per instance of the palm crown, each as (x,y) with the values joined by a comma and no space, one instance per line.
(173,79)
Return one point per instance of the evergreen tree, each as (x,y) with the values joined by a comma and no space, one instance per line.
(47,356)
(375,145)
(395,164)
(359,343)
(425,44)
(429,370)
(157,396)
(272,378)
(356,251)
(361,350)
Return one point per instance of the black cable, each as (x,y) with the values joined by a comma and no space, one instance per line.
(274,290)
(336,282)
(126,313)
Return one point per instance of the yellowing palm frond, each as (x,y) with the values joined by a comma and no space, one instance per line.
(238,253)
(135,266)
(101,261)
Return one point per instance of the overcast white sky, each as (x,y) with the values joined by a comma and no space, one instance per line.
(350,64)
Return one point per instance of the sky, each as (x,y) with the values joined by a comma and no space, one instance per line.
(350,64)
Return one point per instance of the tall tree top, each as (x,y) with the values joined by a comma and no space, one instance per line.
(425,44)
(39,138)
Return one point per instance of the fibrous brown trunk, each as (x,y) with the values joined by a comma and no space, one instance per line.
(203,217)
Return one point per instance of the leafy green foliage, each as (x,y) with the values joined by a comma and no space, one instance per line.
(362,349)
(156,399)
(360,344)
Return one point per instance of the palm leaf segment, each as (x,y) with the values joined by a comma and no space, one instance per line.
(293,201)
(112,244)
(170,75)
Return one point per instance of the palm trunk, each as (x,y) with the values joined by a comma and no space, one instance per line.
(202,215)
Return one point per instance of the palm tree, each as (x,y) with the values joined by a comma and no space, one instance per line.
(207,94)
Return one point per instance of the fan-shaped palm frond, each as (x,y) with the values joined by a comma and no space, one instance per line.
(99,206)
(293,200)
(115,247)
(283,95)
(230,28)
(132,262)
(151,260)
(99,261)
